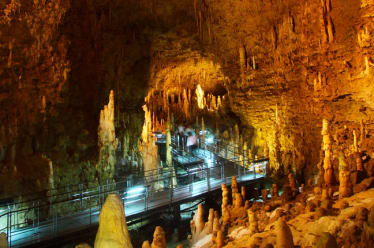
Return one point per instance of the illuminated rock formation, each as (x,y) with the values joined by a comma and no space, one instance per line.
(200,228)
(151,161)
(274,192)
(113,230)
(107,141)
(3,240)
(345,185)
(219,240)
(200,97)
(224,207)
(159,240)
(252,220)
(326,147)
(284,235)
(146,244)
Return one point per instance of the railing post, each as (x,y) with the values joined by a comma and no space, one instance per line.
(171,188)
(254,169)
(81,195)
(190,181)
(10,229)
(208,178)
(89,200)
(7,223)
(222,171)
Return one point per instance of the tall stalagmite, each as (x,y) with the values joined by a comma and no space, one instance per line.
(107,140)
(113,232)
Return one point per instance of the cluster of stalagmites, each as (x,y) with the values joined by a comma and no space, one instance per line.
(265,222)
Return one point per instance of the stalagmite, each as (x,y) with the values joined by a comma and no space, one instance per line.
(186,105)
(234,186)
(359,166)
(243,192)
(113,230)
(219,240)
(284,235)
(151,160)
(326,147)
(197,225)
(159,240)
(3,240)
(107,140)
(147,124)
(224,207)
(274,192)
(345,186)
(146,244)
(209,225)
(264,194)
(252,221)
(292,182)
(200,97)
(219,102)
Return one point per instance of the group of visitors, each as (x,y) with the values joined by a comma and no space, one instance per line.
(188,137)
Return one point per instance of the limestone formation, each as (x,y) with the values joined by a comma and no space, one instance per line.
(197,225)
(159,240)
(3,240)
(274,192)
(200,228)
(326,241)
(146,244)
(113,230)
(200,97)
(264,194)
(284,234)
(107,141)
(219,239)
(151,161)
(243,192)
(291,181)
(234,186)
(224,208)
(345,186)
(326,147)
(83,245)
(252,221)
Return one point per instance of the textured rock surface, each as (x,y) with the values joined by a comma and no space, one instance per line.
(277,67)
(113,230)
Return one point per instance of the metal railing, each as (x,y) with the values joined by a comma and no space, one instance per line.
(76,209)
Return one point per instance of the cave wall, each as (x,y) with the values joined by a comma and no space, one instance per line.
(291,64)
(284,65)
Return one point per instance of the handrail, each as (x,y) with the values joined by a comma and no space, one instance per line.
(88,201)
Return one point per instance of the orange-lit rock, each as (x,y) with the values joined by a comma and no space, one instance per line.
(113,230)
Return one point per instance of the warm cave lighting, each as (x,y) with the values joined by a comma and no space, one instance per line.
(115,110)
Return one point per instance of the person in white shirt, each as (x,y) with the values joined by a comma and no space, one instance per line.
(191,142)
